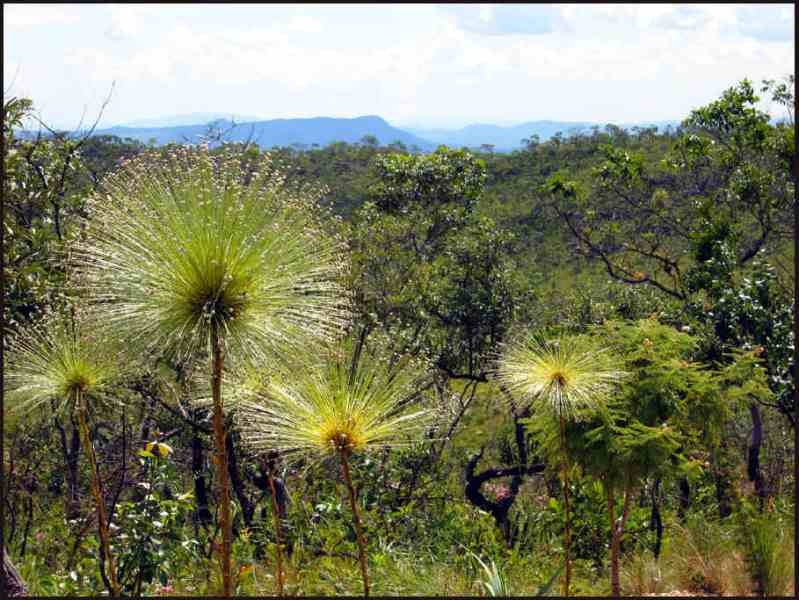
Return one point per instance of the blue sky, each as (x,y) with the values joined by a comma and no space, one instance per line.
(415,65)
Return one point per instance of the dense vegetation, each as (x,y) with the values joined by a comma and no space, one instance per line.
(360,369)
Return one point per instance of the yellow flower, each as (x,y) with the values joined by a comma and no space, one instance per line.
(163,449)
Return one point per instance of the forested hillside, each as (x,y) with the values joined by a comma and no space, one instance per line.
(355,369)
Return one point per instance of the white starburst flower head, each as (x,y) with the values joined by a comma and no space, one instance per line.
(568,376)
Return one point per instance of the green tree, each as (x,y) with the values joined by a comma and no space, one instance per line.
(435,278)
(430,273)
(729,171)
(666,420)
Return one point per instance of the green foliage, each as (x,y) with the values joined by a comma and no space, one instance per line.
(149,533)
(494,582)
(687,284)
(645,218)
(427,269)
(450,180)
(667,387)
(750,311)
(31,240)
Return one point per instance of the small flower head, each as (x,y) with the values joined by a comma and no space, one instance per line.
(163,449)
(566,375)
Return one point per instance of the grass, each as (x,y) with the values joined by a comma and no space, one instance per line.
(770,553)
(701,557)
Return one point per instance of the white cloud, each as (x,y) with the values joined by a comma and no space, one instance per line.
(774,25)
(683,17)
(506,19)
(23,16)
(129,20)
(303,24)
(493,62)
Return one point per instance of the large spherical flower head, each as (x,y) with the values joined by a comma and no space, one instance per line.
(185,244)
(331,407)
(59,359)
(569,375)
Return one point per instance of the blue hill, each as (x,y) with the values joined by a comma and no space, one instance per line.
(278,132)
(510,137)
(322,131)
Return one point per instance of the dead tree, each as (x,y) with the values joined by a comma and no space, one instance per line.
(500,507)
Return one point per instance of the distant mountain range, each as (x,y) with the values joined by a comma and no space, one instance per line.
(278,132)
(192,119)
(322,131)
(510,137)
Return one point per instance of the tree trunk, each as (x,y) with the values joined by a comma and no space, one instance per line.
(497,508)
(656,521)
(615,587)
(220,459)
(282,510)
(71,452)
(278,535)
(567,541)
(107,559)
(28,521)
(148,406)
(203,514)
(616,532)
(684,498)
(262,481)
(247,506)
(356,517)
(753,462)
(723,480)
(723,498)
(12,582)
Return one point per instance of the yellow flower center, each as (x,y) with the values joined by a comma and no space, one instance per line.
(78,382)
(559,378)
(341,434)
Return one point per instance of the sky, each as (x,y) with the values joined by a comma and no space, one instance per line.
(422,65)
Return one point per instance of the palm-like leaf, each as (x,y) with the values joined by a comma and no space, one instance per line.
(55,359)
(178,246)
(349,403)
(566,376)
(330,406)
